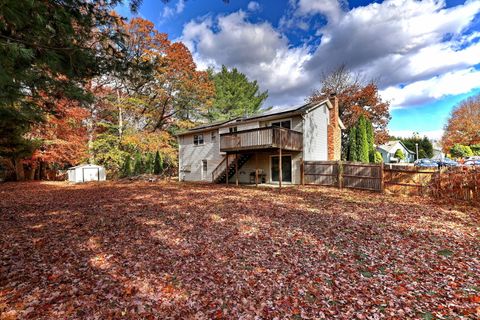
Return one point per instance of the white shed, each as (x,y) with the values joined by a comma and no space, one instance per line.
(86,172)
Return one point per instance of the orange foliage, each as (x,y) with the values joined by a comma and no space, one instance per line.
(355,100)
(63,135)
(463,127)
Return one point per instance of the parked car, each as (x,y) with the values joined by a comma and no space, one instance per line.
(447,162)
(425,163)
(473,158)
(472,163)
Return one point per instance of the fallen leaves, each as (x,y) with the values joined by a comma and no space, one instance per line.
(172,250)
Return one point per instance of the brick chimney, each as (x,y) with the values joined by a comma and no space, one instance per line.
(334,131)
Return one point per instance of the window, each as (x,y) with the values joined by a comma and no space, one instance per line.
(214,136)
(282,124)
(232,129)
(198,139)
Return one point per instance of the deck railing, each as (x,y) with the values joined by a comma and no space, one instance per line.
(221,168)
(262,138)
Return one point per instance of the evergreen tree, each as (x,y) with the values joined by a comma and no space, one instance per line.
(158,165)
(236,96)
(378,157)
(139,166)
(149,162)
(352,145)
(371,141)
(127,167)
(362,140)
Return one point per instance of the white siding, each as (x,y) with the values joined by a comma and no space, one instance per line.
(241,126)
(191,156)
(315,138)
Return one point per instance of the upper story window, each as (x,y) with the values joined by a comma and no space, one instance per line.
(213,136)
(232,129)
(283,124)
(198,139)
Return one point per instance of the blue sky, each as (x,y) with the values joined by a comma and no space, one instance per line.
(425,55)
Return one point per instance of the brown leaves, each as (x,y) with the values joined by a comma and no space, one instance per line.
(172,250)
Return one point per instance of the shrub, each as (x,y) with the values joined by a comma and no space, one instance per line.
(127,167)
(377,157)
(461,151)
(158,165)
(399,154)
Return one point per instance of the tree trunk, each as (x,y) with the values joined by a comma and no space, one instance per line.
(19,172)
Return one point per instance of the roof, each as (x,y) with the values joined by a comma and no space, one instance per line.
(390,145)
(85,165)
(274,112)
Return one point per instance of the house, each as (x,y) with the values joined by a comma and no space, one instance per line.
(438,154)
(388,152)
(267,148)
(86,172)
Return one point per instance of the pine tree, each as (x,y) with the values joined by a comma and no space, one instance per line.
(362,140)
(139,167)
(127,167)
(352,145)
(235,96)
(158,165)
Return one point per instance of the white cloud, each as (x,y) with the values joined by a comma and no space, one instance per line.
(418,50)
(253,6)
(171,11)
(450,83)
(258,50)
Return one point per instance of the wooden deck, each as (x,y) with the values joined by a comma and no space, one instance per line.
(262,138)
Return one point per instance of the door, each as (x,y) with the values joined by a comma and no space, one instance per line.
(91,174)
(204,169)
(286,168)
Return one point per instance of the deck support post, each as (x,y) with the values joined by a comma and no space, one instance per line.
(302,173)
(226,169)
(280,168)
(236,168)
(256,169)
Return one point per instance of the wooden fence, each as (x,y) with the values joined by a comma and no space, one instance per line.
(343,175)
(462,183)
(324,173)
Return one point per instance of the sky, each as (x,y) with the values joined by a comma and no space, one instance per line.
(424,55)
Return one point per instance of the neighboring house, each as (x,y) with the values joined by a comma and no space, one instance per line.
(438,154)
(388,152)
(311,132)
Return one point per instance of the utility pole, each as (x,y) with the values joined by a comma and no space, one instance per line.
(416,147)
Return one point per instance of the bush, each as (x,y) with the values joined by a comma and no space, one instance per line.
(377,157)
(127,167)
(158,165)
(399,154)
(461,151)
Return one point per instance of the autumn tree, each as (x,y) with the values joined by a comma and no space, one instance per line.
(463,126)
(175,91)
(356,97)
(235,95)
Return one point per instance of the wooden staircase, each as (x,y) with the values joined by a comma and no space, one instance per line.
(220,172)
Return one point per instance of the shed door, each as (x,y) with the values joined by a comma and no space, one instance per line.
(91,174)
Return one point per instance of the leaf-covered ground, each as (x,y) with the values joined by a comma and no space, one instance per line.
(180,251)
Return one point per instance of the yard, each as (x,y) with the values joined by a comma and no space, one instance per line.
(161,251)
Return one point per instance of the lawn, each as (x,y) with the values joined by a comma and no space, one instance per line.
(193,251)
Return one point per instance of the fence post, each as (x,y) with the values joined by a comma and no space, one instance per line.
(302,173)
(382,179)
(340,177)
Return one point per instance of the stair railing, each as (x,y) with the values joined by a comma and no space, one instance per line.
(220,169)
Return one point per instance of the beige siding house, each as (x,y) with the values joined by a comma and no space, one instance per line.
(248,150)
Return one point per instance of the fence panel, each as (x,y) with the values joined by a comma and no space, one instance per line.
(408,180)
(323,173)
(363,176)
